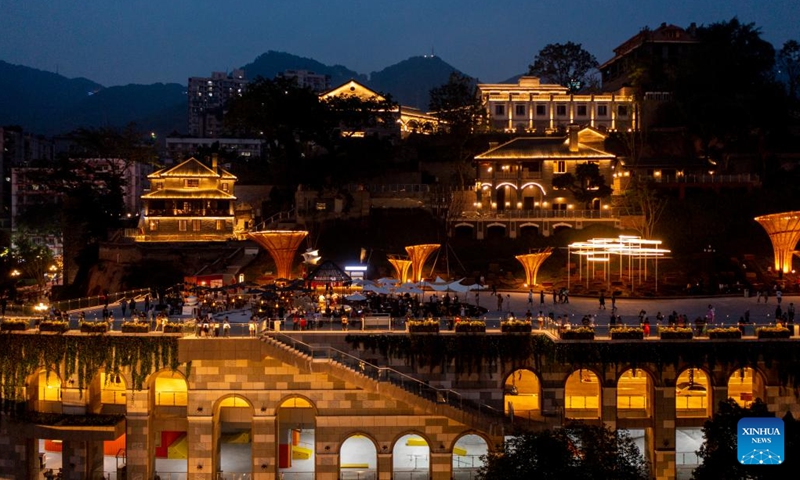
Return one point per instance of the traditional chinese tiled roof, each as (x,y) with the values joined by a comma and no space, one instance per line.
(191,168)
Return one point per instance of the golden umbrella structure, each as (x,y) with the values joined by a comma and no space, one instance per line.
(532,262)
(784,232)
(401,266)
(417,255)
(282,246)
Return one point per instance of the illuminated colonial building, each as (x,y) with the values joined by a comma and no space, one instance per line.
(530,106)
(406,120)
(188,202)
(514,188)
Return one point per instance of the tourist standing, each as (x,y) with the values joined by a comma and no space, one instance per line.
(499,303)
(123,304)
(602,301)
(530,298)
(541,298)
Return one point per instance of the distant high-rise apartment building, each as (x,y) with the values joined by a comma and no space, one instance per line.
(305,78)
(207,99)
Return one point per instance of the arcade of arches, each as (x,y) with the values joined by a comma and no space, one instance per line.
(252,409)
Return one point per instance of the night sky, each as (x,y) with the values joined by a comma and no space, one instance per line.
(116,42)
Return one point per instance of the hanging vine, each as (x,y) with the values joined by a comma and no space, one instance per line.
(82,357)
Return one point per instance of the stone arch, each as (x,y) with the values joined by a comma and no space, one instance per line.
(529,229)
(496,230)
(561,226)
(411,456)
(468,450)
(745,385)
(583,394)
(232,433)
(112,388)
(358,457)
(296,423)
(464,230)
(169,388)
(522,393)
(634,393)
(693,393)
(45,390)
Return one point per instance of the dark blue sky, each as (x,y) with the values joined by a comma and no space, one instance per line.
(117,42)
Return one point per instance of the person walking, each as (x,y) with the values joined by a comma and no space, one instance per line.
(530,298)
(602,301)
(508,301)
(499,303)
(123,304)
(541,298)
(613,301)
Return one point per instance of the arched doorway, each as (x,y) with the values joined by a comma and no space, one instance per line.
(233,430)
(633,394)
(170,397)
(467,454)
(521,394)
(744,386)
(692,397)
(296,438)
(358,458)
(582,395)
(112,392)
(411,458)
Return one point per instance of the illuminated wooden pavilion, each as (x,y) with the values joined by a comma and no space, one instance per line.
(188,202)
(531,262)
(784,232)
(418,254)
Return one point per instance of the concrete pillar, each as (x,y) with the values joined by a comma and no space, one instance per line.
(94,459)
(441,466)
(662,445)
(265,450)
(139,452)
(385,466)
(608,411)
(74,457)
(200,437)
(718,394)
(326,466)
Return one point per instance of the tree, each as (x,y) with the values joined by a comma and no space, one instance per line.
(457,105)
(642,199)
(789,63)
(349,114)
(585,185)
(566,64)
(577,451)
(32,259)
(719,454)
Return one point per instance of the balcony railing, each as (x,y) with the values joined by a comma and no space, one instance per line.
(735,178)
(540,214)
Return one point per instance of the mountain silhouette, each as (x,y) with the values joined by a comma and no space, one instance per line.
(410,81)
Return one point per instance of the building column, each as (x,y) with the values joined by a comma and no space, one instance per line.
(441,465)
(608,410)
(138,452)
(661,443)
(74,456)
(326,466)
(265,464)
(200,438)
(718,394)
(385,466)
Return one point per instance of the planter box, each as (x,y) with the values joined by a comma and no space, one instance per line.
(13,326)
(423,329)
(673,335)
(571,335)
(627,335)
(48,326)
(173,328)
(518,328)
(99,327)
(136,328)
(774,334)
(470,328)
(725,335)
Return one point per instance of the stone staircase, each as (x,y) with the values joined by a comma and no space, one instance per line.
(385,381)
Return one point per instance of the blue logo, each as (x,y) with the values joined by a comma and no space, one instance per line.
(760,441)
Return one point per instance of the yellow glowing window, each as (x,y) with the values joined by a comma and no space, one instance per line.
(195,225)
(182,225)
(561,166)
(296,402)
(113,389)
(153,225)
(171,389)
(234,402)
(192,182)
(49,387)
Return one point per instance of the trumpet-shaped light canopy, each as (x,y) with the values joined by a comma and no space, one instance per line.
(784,232)
(531,262)
(418,254)
(282,246)
(401,266)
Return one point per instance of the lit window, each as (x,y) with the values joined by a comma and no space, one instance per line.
(153,225)
(192,182)
(195,225)
(561,166)
(225,187)
(220,224)
(182,225)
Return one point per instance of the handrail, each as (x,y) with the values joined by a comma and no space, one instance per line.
(387,374)
(87,302)
(273,219)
